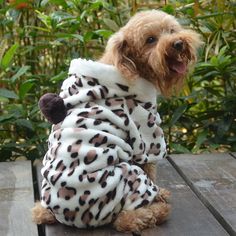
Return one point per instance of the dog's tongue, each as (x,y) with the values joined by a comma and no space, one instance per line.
(178,67)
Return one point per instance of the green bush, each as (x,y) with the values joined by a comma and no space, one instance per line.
(38,40)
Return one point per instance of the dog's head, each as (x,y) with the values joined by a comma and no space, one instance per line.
(153,45)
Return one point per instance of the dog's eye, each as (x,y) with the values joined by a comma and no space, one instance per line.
(172,31)
(151,40)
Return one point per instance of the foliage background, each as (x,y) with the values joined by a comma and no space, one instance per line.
(39,38)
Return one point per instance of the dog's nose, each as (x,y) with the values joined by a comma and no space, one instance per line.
(178,45)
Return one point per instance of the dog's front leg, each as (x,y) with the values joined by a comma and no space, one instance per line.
(151,171)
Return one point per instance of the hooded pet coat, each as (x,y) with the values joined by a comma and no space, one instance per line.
(91,169)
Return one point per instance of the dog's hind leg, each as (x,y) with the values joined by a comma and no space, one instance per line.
(161,211)
(135,221)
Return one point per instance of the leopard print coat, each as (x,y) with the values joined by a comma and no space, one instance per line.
(91,169)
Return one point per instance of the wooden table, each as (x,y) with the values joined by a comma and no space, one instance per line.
(203,198)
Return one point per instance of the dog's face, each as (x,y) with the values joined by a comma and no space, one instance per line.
(153,45)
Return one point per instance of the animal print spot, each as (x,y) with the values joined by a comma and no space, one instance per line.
(84,114)
(54,178)
(102,180)
(123,87)
(69,106)
(74,155)
(131,104)
(110,160)
(79,120)
(98,140)
(73,165)
(81,178)
(78,82)
(93,94)
(92,177)
(154,189)
(106,216)
(60,166)
(45,174)
(131,141)
(87,216)
(72,90)
(143,203)
(157,133)
(154,149)
(74,148)
(111,195)
(151,120)
(97,122)
(92,81)
(106,150)
(69,215)
(63,183)
(47,196)
(147,105)
(92,201)
(90,157)
(66,193)
(103,91)
(110,102)
(84,197)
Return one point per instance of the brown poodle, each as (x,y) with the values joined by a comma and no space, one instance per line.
(152,46)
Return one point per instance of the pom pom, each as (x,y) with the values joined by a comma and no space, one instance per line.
(53,108)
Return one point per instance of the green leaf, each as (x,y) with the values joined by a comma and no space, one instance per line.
(47,20)
(111,24)
(6,117)
(178,113)
(7,58)
(3,45)
(104,33)
(61,76)
(7,93)
(64,36)
(169,9)
(59,16)
(24,88)
(19,73)
(25,123)
(178,148)
(200,139)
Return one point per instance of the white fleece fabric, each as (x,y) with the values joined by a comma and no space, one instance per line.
(91,169)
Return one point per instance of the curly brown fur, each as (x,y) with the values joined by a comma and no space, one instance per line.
(153,45)
(142,218)
(150,170)
(40,215)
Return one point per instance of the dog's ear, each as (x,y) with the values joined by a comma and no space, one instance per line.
(118,53)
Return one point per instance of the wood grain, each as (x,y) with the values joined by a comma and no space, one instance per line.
(189,216)
(16,199)
(212,177)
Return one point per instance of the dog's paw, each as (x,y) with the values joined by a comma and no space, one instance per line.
(41,215)
(161,211)
(163,196)
(135,221)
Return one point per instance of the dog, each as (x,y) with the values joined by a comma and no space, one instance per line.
(100,165)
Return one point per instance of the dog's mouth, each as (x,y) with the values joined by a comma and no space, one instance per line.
(177,66)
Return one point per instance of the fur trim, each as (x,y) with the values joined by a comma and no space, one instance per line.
(108,75)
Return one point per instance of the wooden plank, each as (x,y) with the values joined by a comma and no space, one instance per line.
(212,177)
(63,230)
(16,199)
(233,154)
(189,216)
